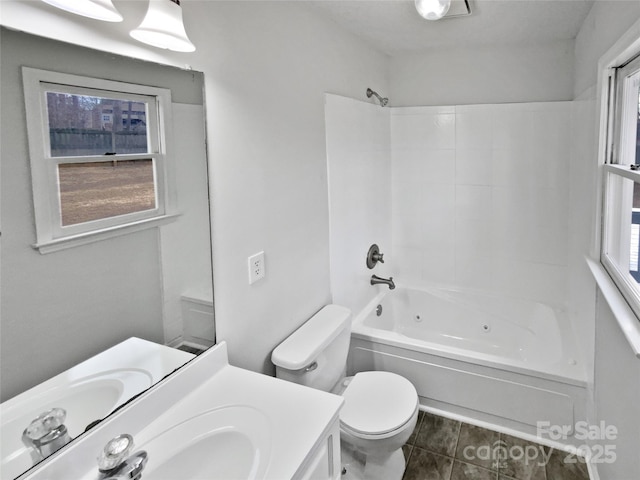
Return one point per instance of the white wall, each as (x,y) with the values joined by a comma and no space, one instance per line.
(483,74)
(359,171)
(617,390)
(269,166)
(267,66)
(602,27)
(616,371)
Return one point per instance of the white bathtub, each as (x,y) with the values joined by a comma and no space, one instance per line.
(501,360)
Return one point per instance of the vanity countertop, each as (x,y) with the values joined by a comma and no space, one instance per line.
(296,418)
(87,392)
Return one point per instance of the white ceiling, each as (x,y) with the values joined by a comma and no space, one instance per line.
(394,26)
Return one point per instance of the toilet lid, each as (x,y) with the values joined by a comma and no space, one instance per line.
(378,402)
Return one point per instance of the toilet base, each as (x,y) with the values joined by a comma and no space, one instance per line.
(358,466)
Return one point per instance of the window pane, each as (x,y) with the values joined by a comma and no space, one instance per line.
(634,244)
(623,227)
(92,191)
(86,125)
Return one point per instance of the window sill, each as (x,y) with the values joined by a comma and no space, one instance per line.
(623,314)
(98,235)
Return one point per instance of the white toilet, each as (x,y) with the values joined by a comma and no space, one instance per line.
(380,408)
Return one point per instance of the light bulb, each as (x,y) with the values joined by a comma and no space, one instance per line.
(433,9)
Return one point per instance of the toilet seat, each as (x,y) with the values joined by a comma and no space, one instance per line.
(377,404)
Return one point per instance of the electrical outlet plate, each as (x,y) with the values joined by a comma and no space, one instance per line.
(256,267)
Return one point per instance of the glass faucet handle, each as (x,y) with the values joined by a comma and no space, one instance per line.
(45,423)
(115,452)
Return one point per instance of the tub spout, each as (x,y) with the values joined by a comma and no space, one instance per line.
(375,280)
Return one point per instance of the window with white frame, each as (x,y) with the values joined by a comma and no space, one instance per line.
(98,153)
(621,225)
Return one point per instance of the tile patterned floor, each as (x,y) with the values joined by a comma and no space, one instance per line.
(445,449)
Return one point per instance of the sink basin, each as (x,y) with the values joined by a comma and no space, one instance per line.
(228,443)
(85,400)
(87,392)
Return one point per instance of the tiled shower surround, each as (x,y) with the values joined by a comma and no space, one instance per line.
(474,196)
(480,197)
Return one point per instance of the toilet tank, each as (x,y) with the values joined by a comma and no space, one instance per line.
(315,355)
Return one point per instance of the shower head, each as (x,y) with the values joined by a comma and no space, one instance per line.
(383,101)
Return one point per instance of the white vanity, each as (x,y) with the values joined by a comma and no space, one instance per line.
(212,420)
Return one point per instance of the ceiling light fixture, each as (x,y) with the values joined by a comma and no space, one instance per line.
(433,9)
(98,9)
(163,27)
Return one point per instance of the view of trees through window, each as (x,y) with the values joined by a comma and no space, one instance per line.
(88,125)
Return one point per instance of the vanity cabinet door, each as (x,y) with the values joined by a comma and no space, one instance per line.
(324,462)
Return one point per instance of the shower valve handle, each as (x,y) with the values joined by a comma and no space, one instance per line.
(374,256)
